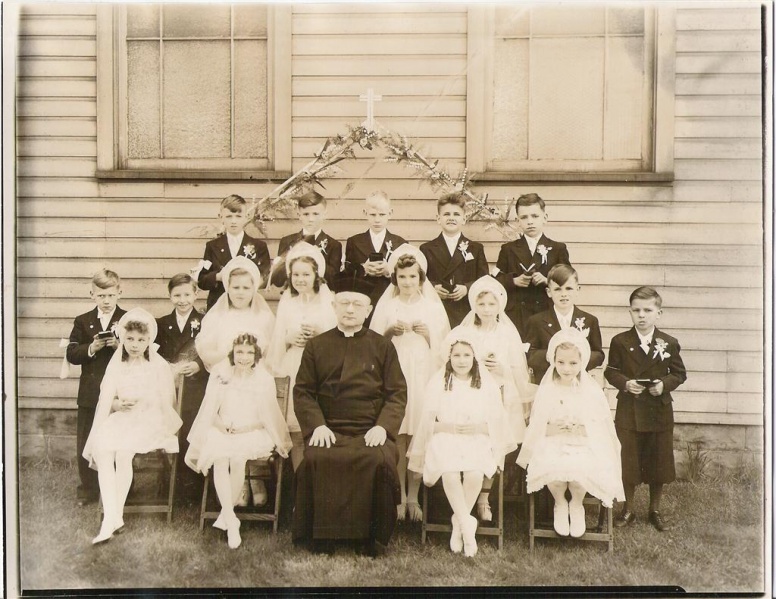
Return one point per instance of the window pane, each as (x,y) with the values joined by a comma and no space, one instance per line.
(624,98)
(250,20)
(196,100)
(143,20)
(626,20)
(510,101)
(566,111)
(568,20)
(197,20)
(143,99)
(250,99)
(512,21)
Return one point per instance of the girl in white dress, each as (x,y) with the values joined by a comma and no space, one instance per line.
(238,310)
(411,314)
(305,310)
(135,414)
(463,433)
(571,442)
(240,420)
(501,351)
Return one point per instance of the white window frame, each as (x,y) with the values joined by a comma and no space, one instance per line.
(112,162)
(479,109)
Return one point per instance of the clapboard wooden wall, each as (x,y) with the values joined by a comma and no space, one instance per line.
(698,239)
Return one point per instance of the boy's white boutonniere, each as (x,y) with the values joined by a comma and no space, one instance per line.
(194,326)
(580,324)
(660,349)
(323,244)
(543,251)
(463,247)
(249,251)
(113,327)
(388,248)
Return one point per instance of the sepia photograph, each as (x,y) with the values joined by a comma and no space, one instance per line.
(307,296)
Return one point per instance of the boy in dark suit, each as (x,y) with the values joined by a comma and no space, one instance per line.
(562,288)
(645,366)
(454,262)
(361,249)
(232,243)
(523,264)
(92,343)
(312,215)
(176,335)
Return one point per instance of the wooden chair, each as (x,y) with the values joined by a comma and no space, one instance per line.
(154,475)
(270,470)
(596,534)
(496,529)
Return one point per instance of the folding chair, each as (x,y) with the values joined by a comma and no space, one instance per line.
(596,534)
(496,529)
(154,475)
(270,470)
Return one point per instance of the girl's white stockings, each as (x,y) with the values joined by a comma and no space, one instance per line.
(114,474)
(462,496)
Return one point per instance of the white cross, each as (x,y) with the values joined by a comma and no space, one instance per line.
(370,98)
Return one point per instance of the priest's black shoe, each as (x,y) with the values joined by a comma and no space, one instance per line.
(656,520)
(626,518)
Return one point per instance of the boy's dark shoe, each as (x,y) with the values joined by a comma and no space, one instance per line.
(656,520)
(626,518)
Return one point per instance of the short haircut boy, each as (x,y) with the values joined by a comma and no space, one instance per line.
(104,279)
(310,198)
(529,199)
(181,278)
(646,293)
(455,198)
(233,203)
(560,273)
(378,194)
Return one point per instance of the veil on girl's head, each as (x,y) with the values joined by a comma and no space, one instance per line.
(578,340)
(487,283)
(406,249)
(298,250)
(135,315)
(258,304)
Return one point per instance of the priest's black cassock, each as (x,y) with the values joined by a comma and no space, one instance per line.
(348,491)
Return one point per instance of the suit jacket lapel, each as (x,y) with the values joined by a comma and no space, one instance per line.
(523,254)
(552,324)
(643,360)
(438,248)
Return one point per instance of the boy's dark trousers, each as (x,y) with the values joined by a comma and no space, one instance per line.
(88,490)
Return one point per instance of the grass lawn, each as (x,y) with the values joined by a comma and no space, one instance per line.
(715,545)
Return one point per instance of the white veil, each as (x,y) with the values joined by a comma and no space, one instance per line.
(221,323)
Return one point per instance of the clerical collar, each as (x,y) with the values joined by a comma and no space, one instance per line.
(451,242)
(377,240)
(357,333)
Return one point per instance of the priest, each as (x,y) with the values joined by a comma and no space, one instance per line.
(349,398)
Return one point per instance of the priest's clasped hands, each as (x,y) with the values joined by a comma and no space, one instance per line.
(324,437)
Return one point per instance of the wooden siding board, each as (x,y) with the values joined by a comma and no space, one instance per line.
(718,84)
(345,23)
(399,44)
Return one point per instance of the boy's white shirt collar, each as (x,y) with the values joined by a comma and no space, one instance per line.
(532,242)
(105,318)
(452,242)
(314,234)
(377,239)
(235,241)
(564,321)
(182,320)
(646,338)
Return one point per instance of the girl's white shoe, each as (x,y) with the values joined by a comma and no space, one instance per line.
(456,539)
(577,517)
(561,518)
(469,530)
(401,512)
(259,492)
(220,522)
(483,510)
(106,534)
(233,538)
(414,513)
